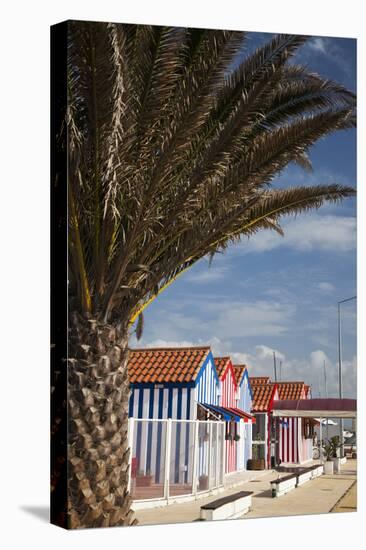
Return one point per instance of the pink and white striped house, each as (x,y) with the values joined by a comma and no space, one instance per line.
(228,397)
(295,444)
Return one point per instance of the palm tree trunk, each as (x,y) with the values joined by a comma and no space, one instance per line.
(98,453)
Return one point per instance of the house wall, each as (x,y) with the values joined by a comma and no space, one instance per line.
(207,384)
(228,395)
(293,446)
(244,451)
(290,440)
(176,401)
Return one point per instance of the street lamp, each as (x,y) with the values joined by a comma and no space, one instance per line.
(340,365)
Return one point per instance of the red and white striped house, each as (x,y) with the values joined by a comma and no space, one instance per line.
(228,397)
(288,440)
(294,435)
(264,395)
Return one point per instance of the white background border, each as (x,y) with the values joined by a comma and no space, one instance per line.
(24,364)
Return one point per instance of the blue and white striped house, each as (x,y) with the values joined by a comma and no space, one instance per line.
(245,401)
(170,383)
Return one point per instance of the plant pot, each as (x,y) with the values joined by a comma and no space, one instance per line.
(143,481)
(255,464)
(328,467)
(337,465)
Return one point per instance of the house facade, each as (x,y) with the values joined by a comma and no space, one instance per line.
(228,398)
(174,384)
(294,436)
(244,404)
(288,440)
(264,395)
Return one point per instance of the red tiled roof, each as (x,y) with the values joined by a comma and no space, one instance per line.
(221,365)
(158,365)
(259,380)
(239,371)
(290,390)
(262,396)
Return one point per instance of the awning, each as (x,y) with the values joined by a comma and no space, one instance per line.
(316,408)
(225,413)
(230,414)
(248,418)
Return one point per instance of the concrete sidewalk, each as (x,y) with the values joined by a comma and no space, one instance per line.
(347,503)
(315,497)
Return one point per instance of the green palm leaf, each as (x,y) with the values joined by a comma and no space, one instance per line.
(174,139)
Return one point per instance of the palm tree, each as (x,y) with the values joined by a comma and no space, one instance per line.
(174,138)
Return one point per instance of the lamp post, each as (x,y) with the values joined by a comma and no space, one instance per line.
(340,365)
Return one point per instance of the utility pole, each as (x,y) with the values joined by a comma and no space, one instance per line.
(275,366)
(326,395)
(325,380)
(280,370)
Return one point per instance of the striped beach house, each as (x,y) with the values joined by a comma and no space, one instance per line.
(176,384)
(245,404)
(236,418)
(228,398)
(264,394)
(294,436)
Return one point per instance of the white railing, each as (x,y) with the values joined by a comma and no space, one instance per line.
(170,459)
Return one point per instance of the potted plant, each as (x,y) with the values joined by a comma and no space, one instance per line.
(229,437)
(335,445)
(333,462)
(236,437)
(203,482)
(143,479)
(328,452)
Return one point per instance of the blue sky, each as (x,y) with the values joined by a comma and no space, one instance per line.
(281,293)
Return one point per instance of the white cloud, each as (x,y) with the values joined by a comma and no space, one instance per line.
(312,232)
(317,358)
(309,370)
(260,363)
(260,318)
(318,44)
(329,47)
(208,274)
(325,286)
(160,343)
(264,352)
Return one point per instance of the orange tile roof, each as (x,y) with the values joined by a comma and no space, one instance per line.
(239,371)
(262,396)
(259,380)
(221,364)
(290,390)
(158,365)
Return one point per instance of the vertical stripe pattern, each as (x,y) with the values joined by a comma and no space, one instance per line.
(245,404)
(228,395)
(177,402)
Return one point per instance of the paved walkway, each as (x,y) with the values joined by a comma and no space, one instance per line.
(347,503)
(315,497)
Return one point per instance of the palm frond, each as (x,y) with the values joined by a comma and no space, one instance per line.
(173,143)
